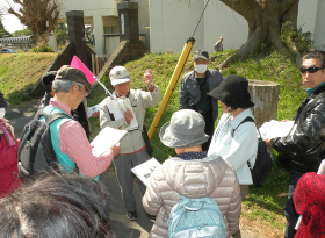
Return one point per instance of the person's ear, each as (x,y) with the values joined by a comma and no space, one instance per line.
(75,89)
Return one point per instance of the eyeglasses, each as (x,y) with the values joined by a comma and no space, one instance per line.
(311,69)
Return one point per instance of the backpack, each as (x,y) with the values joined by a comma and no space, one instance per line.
(264,161)
(36,154)
(196,218)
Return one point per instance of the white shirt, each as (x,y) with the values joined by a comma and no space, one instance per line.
(238,148)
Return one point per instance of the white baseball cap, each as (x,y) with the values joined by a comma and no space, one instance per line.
(119,75)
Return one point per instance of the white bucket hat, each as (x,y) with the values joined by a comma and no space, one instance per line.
(185,129)
(119,75)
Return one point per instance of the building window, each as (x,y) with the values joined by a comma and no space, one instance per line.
(111,30)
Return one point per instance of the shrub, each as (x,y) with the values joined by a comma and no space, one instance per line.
(42,48)
(290,35)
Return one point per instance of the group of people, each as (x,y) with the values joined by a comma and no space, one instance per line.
(210,163)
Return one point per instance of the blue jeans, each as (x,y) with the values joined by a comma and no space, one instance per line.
(290,210)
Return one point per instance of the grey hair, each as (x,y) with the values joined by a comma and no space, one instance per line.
(60,85)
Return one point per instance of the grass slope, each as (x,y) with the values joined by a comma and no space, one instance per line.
(262,210)
(19,73)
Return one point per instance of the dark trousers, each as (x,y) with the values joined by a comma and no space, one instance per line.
(208,128)
(290,210)
(123,165)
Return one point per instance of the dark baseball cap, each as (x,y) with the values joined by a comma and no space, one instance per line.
(201,54)
(69,73)
(48,77)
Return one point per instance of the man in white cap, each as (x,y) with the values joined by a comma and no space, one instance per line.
(133,148)
(219,46)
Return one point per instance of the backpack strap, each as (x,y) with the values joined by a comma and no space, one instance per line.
(49,118)
(248,118)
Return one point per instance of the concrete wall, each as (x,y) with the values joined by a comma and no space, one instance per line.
(319,36)
(311,18)
(168,23)
(221,20)
(111,43)
(144,20)
(174,21)
(103,13)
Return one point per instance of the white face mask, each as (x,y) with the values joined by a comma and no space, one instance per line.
(201,68)
(2,112)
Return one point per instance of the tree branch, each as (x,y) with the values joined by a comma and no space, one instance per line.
(286,4)
(245,8)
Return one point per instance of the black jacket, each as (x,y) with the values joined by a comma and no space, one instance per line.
(190,93)
(303,151)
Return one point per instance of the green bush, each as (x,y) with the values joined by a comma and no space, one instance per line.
(290,35)
(42,48)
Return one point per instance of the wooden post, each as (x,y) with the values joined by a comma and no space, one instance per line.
(265,95)
(97,65)
(93,62)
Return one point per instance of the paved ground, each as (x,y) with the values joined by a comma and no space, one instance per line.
(20,116)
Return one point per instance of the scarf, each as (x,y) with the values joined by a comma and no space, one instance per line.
(193,155)
(311,90)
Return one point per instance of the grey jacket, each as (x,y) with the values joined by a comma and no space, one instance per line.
(140,100)
(190,94)
(197,178)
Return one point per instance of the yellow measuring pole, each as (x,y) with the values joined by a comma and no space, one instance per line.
(170,88)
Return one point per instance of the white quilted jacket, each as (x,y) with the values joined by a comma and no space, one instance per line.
(196,178)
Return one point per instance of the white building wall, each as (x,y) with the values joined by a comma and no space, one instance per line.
(168,23)
(307,12)
(98,32)
(172,22)
(99,10)
(319,36)
(221,20)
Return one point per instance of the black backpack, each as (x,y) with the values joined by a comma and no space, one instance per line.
(36,154)
(264,161)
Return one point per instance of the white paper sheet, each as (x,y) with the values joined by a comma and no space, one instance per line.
(92,110)
(112,107)
(273,129)
(118,112)
(107,137)
(144,171)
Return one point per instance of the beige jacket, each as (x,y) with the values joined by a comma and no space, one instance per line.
(140,100)
(196,178)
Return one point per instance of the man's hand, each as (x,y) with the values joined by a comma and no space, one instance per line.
(267,142)
(95,114)
(116,149)
(128,116)
(148,77)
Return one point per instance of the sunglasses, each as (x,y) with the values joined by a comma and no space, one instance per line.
(311,69)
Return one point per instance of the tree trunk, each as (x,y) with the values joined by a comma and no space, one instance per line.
(265,95)
(265,19)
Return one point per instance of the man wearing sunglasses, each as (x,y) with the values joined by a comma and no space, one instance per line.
(303,150)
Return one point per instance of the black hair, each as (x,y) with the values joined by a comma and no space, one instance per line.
(56,205)
(47,80)
(316,54)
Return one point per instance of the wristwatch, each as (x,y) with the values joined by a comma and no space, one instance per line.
(271,143)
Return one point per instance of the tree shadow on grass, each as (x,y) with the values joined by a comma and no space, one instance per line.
(267,195)
(22,96)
